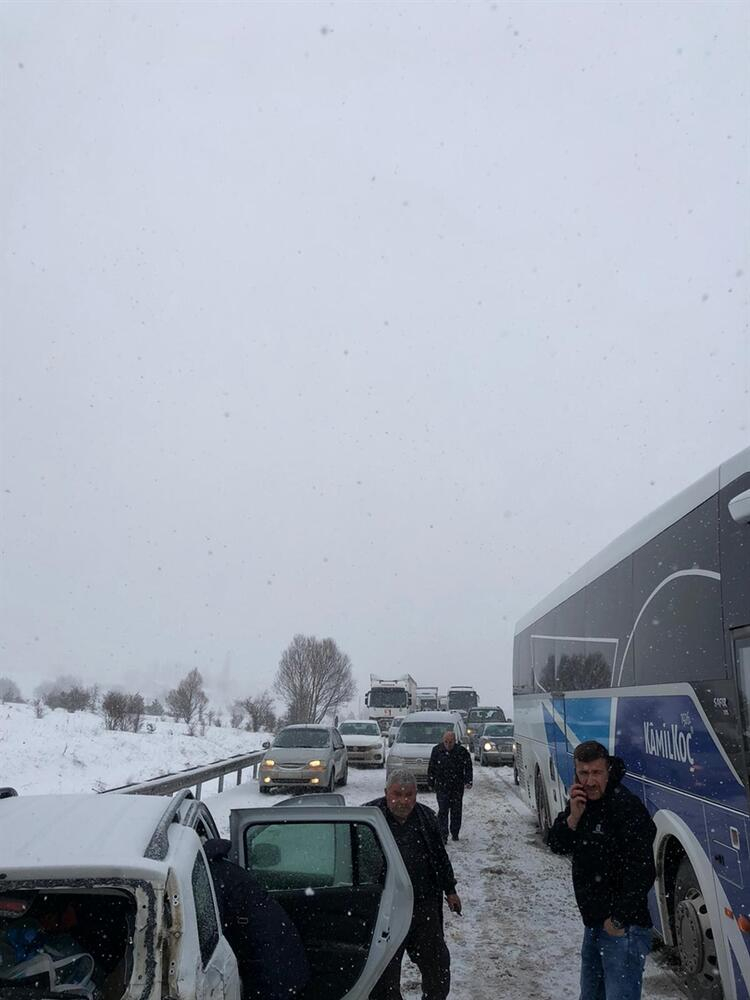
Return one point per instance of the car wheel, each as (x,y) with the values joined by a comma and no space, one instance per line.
(344,776)
(694,937)
(264,789)
(331,781)
(482,761)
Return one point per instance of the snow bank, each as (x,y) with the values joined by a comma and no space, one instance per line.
(73,752)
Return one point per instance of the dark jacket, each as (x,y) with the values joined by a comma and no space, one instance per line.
(450,770)
(613,856)
(428,824)
(256,927)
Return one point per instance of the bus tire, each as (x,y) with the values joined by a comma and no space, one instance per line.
(694,937)
(542,808)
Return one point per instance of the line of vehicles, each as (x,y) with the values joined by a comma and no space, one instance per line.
(397,697)
(318,756)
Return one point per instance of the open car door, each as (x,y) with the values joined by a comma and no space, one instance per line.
(338,874)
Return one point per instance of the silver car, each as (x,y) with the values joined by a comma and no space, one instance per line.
(304,755)
(417,735)
(496,744)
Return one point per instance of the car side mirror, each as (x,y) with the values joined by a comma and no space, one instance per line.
(265,745)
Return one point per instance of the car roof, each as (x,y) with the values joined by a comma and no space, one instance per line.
(74,833)
(306,725)
(433,717)
(370,722)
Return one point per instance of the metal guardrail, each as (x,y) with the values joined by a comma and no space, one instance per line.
(194,777)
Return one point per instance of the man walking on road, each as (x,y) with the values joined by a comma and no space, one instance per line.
(417,835)
(611,836)
(449,773)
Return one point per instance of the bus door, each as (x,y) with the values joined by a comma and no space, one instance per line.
(559,761)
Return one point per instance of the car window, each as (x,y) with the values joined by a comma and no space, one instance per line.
(205,910)
(302,738)
(284,856)
(498,729)
(423,732)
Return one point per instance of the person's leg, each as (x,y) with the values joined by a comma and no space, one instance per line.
(592,974)
(426,947)
(457,804)
(623,959)
(388,987)
(443,801)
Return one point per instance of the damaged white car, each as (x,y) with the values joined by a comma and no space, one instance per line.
(110,897)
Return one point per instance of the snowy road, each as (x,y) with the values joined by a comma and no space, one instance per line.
(520,932)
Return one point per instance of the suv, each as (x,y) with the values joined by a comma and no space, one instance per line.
(306,756)
(417,735)
(110,896)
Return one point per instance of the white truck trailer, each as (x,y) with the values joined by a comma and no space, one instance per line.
(390,699)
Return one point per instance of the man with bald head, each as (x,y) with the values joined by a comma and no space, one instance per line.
(415,829)
(449,773)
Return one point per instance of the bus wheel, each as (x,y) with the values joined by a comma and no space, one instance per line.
(695,939)
(542,809)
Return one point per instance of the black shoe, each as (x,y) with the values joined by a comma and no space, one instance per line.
(455,836)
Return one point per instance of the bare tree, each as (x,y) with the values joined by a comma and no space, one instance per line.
(115,709)
(259,710)
(314,678)
(188,698)
(9,690)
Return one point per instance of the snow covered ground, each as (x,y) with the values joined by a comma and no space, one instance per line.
(519,935)
(520,932)
(73,752)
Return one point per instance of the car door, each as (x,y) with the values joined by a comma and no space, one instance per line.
(337,872)
(339,753)
(217,977)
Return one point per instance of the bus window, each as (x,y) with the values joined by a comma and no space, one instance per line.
(742,660)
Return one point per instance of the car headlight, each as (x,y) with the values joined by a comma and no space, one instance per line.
(514,748)
(268,762)
(489,746)
(315,763)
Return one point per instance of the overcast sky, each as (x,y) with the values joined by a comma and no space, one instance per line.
(362,320)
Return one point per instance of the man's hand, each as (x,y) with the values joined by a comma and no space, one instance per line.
(454,902)
(613,931)
(577,804)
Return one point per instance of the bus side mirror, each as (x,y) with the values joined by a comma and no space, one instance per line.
(739,508)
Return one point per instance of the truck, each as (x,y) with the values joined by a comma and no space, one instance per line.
(462,699)
(427,699)
(390,699)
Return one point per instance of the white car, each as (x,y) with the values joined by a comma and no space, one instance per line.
(118,897)
(363,741)
(417,735)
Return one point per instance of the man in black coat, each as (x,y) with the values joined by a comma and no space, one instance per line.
(269,951)
(449,773)
(417,834)
(610,834)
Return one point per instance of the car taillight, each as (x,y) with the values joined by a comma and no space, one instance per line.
(11,906)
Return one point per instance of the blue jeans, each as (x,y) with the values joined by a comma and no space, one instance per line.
(612,967)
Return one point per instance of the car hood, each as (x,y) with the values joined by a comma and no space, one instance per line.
(297,755)
(352,740)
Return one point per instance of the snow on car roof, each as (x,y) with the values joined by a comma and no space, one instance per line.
(78,832)
(431,717)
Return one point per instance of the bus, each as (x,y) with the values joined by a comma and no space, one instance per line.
(462,699)
(647,650)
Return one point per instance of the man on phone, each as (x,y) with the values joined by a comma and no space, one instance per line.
(611,836)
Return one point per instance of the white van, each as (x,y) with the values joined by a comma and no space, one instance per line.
(417,735)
